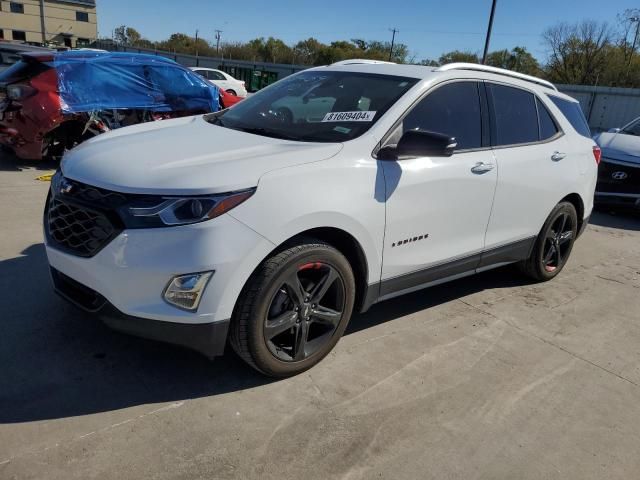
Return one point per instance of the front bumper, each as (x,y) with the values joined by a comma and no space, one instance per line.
(618,201)
(208,339)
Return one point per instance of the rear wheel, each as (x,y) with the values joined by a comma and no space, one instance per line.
(231,92)
(554,244)
(294,309)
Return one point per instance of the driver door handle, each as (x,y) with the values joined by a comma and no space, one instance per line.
(557,156)
(481,167)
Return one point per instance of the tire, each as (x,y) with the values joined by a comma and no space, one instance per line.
(545,263)
(231,92)
(268,304)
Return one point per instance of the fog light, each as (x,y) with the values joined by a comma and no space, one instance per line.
(185,291)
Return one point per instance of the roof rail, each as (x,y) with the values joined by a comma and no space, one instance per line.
(356,61)
(497,71)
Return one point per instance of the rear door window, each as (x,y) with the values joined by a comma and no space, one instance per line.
(454,110)
(573,112)
(515,117)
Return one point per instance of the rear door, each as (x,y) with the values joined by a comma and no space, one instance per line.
(534,165)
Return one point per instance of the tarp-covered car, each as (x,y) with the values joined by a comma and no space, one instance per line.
(50,102)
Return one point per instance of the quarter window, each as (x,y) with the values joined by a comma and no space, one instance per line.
(573,112)
(548,127)
(514,115)
(454,110)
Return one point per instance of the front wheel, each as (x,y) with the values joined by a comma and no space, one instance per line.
(554,244)
(294,309)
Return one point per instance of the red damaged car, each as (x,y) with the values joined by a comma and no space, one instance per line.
(50,102)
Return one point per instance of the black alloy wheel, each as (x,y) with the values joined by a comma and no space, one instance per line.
(554,244)
(294,308)
(558,242)
(305,312)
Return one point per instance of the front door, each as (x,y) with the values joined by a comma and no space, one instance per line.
(438,207)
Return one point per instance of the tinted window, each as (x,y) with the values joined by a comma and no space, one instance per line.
(215,76)
(632,129)
(515,115)
(573,113)
(452,109)
(548,126)
(82,16)
(317,106)
(16,8)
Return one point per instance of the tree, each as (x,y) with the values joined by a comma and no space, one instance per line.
(577,53)
(124,35)
(518,60)
(458,56)
(306,51)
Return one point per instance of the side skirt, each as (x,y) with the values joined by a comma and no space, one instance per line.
(448,271)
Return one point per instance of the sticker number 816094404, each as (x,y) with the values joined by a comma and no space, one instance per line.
(356,116)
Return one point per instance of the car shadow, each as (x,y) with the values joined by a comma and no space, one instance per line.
(58,362)
(616,219)
(10,163)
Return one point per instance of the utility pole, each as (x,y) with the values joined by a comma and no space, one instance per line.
(218,32)
(196,42)
(488,39)
(393,40)
(43,23)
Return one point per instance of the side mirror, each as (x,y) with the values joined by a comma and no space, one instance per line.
(615,130)
(421,143)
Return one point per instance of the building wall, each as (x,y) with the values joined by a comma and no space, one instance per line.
(60,21)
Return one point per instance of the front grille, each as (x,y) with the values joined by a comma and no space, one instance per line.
(81,219)
(618,178)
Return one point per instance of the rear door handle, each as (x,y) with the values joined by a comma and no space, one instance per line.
(481,167)
(557,156)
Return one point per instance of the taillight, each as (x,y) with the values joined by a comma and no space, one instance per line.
(597,154)
(20,92)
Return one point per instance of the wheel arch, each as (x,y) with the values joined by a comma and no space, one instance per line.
(349,246)
(576,200)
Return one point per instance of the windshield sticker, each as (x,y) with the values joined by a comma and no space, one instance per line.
(341,129)
(356,116)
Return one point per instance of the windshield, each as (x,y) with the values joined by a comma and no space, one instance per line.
(317,106)
(632,129)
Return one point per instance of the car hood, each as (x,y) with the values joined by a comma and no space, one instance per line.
(619,146)
(185,156)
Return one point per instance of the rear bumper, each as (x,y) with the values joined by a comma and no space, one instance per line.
(208,339)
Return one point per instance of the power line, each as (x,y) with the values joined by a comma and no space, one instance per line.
(393,40)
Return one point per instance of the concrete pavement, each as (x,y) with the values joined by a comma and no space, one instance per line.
(489,377)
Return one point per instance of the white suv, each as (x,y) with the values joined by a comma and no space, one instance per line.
(248,227)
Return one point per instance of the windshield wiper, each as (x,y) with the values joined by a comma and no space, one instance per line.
(266,133)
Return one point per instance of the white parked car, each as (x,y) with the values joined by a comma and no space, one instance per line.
(619,173)
(246,227)
(223,80)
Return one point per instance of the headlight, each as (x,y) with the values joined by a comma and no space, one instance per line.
(181,211)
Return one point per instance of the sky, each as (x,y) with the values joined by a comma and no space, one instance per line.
(428,27)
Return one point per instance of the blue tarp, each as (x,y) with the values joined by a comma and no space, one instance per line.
(90,81)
